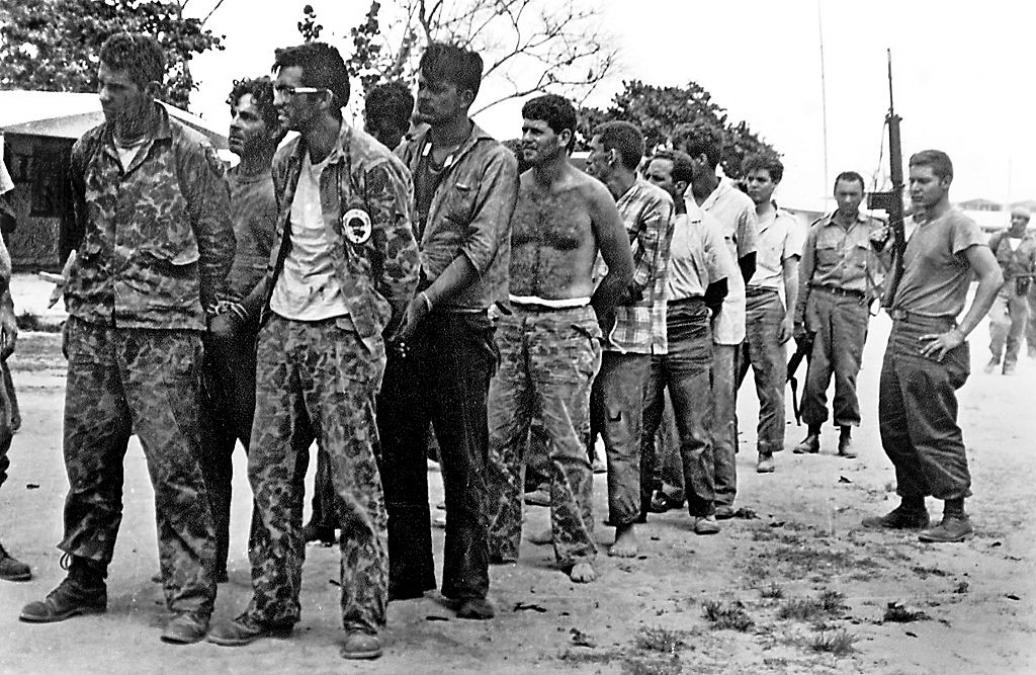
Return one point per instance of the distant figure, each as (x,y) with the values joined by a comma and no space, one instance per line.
(927,358)
(769,321)
(839,278)
(386,113)
(1015,251)
(549,340)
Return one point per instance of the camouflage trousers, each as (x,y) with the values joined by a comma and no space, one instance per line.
(548,361)
(316,380)
(123,381)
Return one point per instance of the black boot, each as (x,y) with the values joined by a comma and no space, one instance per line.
(82,592)
(12,569)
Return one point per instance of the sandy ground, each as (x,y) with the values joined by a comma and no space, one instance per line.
(645,615)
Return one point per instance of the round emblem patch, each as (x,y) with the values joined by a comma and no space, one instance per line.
(356,224)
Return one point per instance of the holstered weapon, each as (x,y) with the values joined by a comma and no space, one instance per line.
(892,201)
(803,348)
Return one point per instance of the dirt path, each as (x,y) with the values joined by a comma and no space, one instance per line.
(802,558)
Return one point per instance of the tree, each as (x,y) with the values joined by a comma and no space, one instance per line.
(529,46)
(53,45)
(662,113)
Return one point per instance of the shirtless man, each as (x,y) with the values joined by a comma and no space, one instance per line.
(549,339)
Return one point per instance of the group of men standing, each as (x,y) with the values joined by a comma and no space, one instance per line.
(336,292)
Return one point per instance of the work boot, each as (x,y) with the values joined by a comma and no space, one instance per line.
(765,464)
(69,599)
(12,569)
(992,365)
(810,445)
(899,518)
(845,443)
(242,631)
(724,511)
(955,527)
(538,497)
(186,628)
(1009,367)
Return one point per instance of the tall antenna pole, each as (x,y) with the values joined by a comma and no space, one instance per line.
(823,91)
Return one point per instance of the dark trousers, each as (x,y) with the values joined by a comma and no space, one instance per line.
(684,371)
(840,323)
(8,408)
(228,387)
(766,355)
(445,379)
(917,413)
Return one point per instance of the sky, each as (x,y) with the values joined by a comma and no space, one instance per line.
(961,76)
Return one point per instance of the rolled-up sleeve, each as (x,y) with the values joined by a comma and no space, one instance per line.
(208,202)
(653,237)
(490,225)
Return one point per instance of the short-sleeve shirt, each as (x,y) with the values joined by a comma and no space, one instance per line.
(698,257)
(936,272)
(781,237)
(255,220)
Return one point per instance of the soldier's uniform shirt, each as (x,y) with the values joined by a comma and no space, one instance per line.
(157,244)
(317,379)
(836,257)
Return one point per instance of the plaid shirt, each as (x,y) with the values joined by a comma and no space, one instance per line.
(640,326)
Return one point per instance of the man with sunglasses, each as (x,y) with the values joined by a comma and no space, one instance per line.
(344,264)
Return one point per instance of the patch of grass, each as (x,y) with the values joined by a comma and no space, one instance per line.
(727,616)
(633,665)
(805,560)
(898,613)
(836,642)
(801,609)
(660,640)
(773,591)
(832,601)
(585,656)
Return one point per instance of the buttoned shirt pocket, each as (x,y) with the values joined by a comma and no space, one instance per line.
(828,255)
(859,255)
(460,202)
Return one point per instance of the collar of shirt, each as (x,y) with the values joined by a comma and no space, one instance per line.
(416,147)
(829,219)
(725,185)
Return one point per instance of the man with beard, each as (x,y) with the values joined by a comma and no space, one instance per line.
(549,338)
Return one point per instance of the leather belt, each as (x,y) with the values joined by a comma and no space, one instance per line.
(844,292)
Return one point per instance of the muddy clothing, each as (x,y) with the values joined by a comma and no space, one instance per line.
(917,401)
(464,208)
(548,359)
(145,382)
(228,376)
(1009,314)
(318,379)
(839,277)
(158,240)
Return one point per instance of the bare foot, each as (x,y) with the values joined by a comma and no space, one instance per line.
(625,545)
(582,573)
(540,537)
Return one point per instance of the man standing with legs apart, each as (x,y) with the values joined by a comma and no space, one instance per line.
(465,184)
(840,276)
(228,378)
(158,242)
(343,266)
(637,330)
(768,324)
(735,213)
(699,265)
(549,340)
(1015,252)
(927,357)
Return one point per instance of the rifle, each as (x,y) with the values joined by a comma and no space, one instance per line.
(803,348)
(892,201)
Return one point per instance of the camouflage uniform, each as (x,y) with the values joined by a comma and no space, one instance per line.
(318,379)
(157,245)
(548,360)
